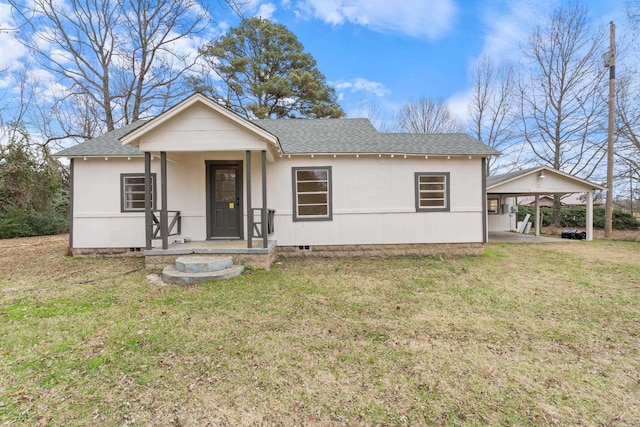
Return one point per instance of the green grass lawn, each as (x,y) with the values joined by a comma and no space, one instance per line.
(525,335)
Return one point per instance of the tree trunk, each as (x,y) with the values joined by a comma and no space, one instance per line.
(556,210)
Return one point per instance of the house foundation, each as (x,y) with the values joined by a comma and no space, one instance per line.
(382,251)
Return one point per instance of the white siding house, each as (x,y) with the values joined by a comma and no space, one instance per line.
(329,183)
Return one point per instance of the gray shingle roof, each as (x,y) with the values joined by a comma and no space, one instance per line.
(108,144)
(498,179)
(309,136)
(359,136)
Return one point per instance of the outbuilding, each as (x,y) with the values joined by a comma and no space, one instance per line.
(503,190)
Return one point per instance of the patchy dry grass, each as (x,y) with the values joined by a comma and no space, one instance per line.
(526,335)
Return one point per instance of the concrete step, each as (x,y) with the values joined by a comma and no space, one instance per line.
(171,275)
(203,263)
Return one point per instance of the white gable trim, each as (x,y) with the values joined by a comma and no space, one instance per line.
(547,170)
(134,136)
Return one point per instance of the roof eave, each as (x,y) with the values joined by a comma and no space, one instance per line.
(550,170)
(383,153)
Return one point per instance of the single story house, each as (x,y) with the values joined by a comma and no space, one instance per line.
(198,178)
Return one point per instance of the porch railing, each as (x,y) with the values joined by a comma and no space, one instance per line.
(175,224)
(258,227)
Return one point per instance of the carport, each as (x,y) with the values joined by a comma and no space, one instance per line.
(502,191)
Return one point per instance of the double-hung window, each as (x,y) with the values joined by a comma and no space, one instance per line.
(312,194)
(432,191)
(132,189)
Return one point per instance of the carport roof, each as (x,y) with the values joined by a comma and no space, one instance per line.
(499,183)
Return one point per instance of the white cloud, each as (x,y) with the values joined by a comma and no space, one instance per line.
(417,18)
(361,85)
(265,11)
(12,50)
(508,24)
(459,105)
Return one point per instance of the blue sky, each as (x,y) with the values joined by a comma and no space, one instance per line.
(390,52)
(382,51)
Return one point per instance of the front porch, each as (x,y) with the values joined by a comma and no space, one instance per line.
(254,255)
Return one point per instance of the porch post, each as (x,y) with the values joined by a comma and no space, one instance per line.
(589,218)
(249,208)
(148,221)
(538,222)
(485,228)
(71,185)
(265,228)
(164,216)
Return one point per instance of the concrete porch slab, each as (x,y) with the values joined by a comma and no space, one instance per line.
(513,237)
(214,247)
(256,257)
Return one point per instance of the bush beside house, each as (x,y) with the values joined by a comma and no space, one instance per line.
(575,216)
(33,198)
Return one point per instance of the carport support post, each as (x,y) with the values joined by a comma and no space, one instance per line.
(589,219)
(538,222)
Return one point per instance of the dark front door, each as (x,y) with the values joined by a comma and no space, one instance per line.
(225,200)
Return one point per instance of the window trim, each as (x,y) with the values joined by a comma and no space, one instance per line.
(447,182)
(329,216)
(123,177)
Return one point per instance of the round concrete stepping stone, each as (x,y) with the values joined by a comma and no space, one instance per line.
(171,275)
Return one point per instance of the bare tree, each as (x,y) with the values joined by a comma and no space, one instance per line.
(628,126)
(20,101)
(632,7)
(561,99)
(493,116)
(628,96)
(377,115)
(157,65)
(427,116)
(117,56)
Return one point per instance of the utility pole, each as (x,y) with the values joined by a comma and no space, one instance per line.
(610,62)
